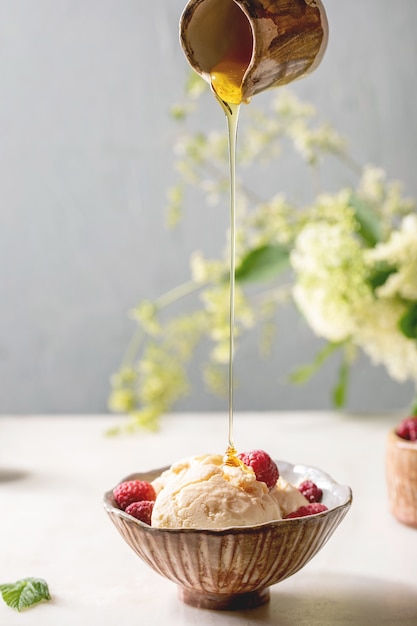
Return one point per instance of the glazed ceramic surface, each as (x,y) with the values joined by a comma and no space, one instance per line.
(233,567)
(289,38)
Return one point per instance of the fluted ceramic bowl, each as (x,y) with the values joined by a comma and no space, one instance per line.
(233,568)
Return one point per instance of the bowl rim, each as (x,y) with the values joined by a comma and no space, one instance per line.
(108,503)
(400,442)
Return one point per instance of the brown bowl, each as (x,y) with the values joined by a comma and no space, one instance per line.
(233,568)
(401,476)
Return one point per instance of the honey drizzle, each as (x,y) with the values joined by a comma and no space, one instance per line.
(232,116)
(227,74)
(226,82)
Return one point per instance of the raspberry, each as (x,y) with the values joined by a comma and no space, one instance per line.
(310,491)
(309,509)
(407,429)
(133,491)
(265,468)
(141,510)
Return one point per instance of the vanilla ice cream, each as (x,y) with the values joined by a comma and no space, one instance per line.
(203,492)
(288,496)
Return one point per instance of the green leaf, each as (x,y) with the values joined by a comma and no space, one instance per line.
(25,593)
(381,272)
(408,322)
(304,373)
(263,263)
(340,389)
(413,407)
(369,224)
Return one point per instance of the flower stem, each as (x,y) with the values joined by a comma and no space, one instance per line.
(163,301)
(177,293)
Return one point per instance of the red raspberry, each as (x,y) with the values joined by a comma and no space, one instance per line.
(407,429)
(309,509)
(310,491)
(133,491)
(141,510)
(264,467)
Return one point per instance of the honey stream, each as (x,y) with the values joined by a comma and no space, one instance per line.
(232,115)
(226,81)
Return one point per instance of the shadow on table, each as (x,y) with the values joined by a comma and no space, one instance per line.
(10,475)
(346,600)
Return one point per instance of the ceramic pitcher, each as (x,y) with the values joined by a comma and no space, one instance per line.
(281,40)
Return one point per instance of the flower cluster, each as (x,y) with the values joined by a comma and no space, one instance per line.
(361,290)
(348,260)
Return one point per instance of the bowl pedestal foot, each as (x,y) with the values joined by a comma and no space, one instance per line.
(224,602)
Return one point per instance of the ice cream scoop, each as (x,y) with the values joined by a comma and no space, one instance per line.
(288,497)
(203,492)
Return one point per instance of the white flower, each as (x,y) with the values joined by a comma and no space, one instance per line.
(330,288)
(373,183)
(384,197)
(399,252)
(379,337)
(203,270)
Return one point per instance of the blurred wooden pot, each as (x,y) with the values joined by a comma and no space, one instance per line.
(401,476)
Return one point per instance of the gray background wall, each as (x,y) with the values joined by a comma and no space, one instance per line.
(85,158)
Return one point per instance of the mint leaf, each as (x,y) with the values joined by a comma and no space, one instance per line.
(25,593)
(262,263)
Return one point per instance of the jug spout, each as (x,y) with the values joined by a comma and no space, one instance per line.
(263,43)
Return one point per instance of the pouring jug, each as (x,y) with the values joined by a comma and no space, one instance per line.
(272,41)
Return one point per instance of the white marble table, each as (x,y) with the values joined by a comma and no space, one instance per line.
(53,471)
